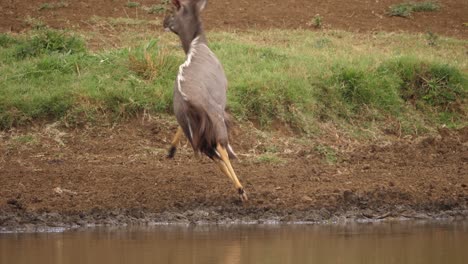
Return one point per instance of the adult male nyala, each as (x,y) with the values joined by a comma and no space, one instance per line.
(200,91)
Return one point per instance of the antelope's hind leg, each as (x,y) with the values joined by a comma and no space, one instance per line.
(174,143)
(226,168)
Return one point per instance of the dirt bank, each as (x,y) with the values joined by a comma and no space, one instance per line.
(54,176)
(358,16)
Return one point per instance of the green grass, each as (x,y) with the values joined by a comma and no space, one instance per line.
(132,4)
(35,23)
(268,158)
(6,40)
(120,21)
(406,9)
(47,42)
(25,139)
(295,77)
(317,21)
(55,5)
(157,9)
(328,153)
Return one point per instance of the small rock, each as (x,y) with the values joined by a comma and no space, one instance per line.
(36,200)
(306,198)
(348,195)
(59,190)
(15,203)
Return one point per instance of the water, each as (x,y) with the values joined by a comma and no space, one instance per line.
(356,243)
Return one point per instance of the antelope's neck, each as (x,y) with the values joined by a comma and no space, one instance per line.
(199,39)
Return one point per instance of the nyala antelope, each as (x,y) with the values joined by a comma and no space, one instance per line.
(200,91)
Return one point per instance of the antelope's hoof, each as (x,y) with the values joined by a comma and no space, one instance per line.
(243,195)
(171,152)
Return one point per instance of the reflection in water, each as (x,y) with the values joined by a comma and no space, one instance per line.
(356,243)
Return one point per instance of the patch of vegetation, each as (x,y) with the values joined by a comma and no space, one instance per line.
(49,41)
(406,9)
(121,21)
(35,23)
(157,9)
(317,21)
(362,89)
(132,4)
(272,77)
(426,85)
(128,21)
(25,139)
(160,8)
(260,93)
(150,66)
(55,5)
(328,153)
(432,39)
(268,158)
(322,43)
(425,6)
(6,40)
(78,87)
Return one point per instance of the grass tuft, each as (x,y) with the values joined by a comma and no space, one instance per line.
(317,21)
(49,41)
(47,6)
(35,23)
(328,153)
(6,40)
(407,9)
(439,86)
(132,4)
(121,21)
(268,158)
(157,9)
(150,66)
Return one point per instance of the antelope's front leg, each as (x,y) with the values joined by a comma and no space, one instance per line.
(174,143)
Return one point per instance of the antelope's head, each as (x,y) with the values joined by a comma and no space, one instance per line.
(185,19)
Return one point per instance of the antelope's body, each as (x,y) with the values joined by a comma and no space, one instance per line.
(200,91)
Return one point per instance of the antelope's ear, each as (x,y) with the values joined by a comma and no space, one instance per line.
(176,3)
(201,4)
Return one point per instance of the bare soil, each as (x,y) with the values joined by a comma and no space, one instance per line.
(54,176)
(354,15)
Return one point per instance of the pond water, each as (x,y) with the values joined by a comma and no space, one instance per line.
(398,242)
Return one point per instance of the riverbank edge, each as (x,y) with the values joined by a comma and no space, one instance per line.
(22,221)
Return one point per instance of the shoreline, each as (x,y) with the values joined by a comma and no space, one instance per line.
(25,222)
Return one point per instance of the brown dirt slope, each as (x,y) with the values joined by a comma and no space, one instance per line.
(58,176)
(352,15)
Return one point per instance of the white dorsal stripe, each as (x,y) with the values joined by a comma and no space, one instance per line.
(180,76)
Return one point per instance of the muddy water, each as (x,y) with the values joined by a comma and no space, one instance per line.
(356,243)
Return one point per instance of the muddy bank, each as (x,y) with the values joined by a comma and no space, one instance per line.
(56,176)
(31,221)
